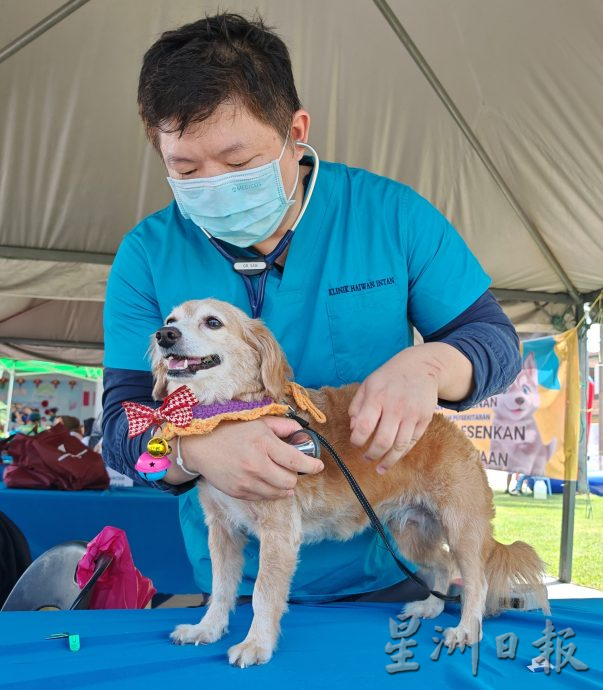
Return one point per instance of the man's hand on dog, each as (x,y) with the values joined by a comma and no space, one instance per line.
(395,403)
(249,460)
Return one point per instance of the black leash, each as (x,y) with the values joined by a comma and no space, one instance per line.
(375,522)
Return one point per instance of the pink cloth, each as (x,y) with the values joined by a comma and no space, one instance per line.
(121,586)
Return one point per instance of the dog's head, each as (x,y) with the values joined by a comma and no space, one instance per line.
(219,353)
(521,399)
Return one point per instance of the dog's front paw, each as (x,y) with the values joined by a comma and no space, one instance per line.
(197,634)
(462,635)
(428,608)
(249,653)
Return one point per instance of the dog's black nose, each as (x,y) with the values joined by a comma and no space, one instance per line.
(520,401)
(168,336)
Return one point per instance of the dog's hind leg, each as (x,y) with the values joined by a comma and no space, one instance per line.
(466,541)
(280,538)
(420,539)
(226,551)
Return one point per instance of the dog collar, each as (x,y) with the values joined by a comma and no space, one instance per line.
(181,414)
(206,411)
(205,418)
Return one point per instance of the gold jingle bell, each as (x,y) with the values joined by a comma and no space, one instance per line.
(158,447)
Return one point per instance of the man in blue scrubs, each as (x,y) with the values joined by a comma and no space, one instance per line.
(368,257)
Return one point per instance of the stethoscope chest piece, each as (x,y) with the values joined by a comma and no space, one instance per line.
(305,441)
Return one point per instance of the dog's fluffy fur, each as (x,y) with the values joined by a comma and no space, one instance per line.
(436,501)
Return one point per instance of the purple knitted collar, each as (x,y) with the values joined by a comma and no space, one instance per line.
(206,411)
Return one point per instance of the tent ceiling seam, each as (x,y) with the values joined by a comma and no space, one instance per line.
(40,28)
(8,340)
(58,255)
(532,296)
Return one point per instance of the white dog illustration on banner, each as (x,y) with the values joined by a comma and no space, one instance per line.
(516,407)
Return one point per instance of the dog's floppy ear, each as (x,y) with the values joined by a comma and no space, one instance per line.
(274,368)
(158,368)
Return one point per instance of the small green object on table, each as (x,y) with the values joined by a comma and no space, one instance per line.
(74,640)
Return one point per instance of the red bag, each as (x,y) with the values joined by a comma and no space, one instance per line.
(54,459)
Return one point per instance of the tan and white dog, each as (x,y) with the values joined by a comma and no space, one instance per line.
(436,501)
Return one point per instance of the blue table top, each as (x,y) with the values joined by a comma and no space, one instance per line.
(148,516)
(323,646)
(119,493)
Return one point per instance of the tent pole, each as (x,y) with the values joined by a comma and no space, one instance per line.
(599,389)
(567,531)
(582,486)
(570,485)
(9,397)
(98,407)
(444,96)
(40,28)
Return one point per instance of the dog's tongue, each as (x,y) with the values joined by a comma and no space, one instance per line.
(174,363)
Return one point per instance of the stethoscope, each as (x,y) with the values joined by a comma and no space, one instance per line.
(262,266)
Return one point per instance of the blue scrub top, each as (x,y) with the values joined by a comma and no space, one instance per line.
(369,257)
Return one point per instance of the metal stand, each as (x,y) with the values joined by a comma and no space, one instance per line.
(570,485)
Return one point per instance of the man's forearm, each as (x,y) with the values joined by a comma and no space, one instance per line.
(484,336)
(453,371)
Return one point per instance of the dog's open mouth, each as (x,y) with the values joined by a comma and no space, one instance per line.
(181,365)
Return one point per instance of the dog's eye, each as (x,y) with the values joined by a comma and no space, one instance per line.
(213,323)
(170,320)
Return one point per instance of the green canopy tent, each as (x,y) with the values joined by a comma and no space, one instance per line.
(32,368)
(11,368)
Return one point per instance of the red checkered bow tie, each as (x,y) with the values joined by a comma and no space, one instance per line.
(176,408)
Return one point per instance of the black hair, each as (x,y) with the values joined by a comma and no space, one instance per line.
(192,70)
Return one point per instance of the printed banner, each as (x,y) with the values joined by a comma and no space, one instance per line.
(534,426)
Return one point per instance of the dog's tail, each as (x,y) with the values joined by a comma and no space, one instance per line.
(515,576)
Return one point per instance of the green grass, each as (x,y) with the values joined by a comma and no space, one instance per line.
(539,524)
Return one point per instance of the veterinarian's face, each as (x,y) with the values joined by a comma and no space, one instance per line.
(231,139)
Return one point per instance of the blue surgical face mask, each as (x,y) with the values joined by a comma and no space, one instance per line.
(241,208)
